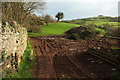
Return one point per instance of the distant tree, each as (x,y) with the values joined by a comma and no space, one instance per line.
(59,15)
(47,19)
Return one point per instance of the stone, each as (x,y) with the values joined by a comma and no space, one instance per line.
(92,61)
(101,62)
(91,73)
(113,69)
(98,47)
(9,38)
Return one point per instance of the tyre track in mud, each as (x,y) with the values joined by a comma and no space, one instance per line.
(56,58)
(43,67)
(55,48)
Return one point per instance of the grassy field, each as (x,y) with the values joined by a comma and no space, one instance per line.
(96,20)
(100,23)
(78,21)
(74,21)
(60,27)
(54,28)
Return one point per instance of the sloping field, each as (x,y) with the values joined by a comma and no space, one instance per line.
(54,28)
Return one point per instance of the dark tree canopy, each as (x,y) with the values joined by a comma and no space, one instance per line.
(59,15)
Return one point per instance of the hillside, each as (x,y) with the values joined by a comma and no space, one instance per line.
(99,21)
(54,28)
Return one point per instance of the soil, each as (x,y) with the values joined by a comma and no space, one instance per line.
(58,57)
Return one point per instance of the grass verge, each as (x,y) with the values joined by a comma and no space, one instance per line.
(25,66)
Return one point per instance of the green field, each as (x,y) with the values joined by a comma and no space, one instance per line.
(96,20)
(54,29)
(74,21)
(60,27)
(100,23)
(79,21)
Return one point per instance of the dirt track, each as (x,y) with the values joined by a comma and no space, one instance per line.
(61,58)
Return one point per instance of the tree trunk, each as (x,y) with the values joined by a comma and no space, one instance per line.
(58,20)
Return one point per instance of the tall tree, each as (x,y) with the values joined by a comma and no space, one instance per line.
(18,11)
(59,15)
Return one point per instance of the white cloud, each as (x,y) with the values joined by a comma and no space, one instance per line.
(94,1)
(82,8)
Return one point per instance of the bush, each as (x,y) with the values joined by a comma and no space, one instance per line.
(97,32)
(107,26)
(74,36)
(113,32)
(34,29)
(82,32)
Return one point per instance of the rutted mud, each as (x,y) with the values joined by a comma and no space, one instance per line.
(61,58)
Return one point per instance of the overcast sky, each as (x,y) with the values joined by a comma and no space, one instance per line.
(74,9)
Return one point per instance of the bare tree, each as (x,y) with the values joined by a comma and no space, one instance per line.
(47,18)
(18,11)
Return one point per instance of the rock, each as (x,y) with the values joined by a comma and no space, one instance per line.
(101,62)
(71,49)
(92,61)
(91,73)
(113,69)
(98,47)
(62,75)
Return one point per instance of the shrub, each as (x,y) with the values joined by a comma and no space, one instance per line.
(36,29)
(47,19)
(74,36)
(114,32)
(84,32)
(97,32)
(107,26)
(33,29)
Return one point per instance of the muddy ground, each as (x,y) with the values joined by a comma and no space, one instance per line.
(58,57)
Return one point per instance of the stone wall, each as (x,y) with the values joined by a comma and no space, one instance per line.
(14,42)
